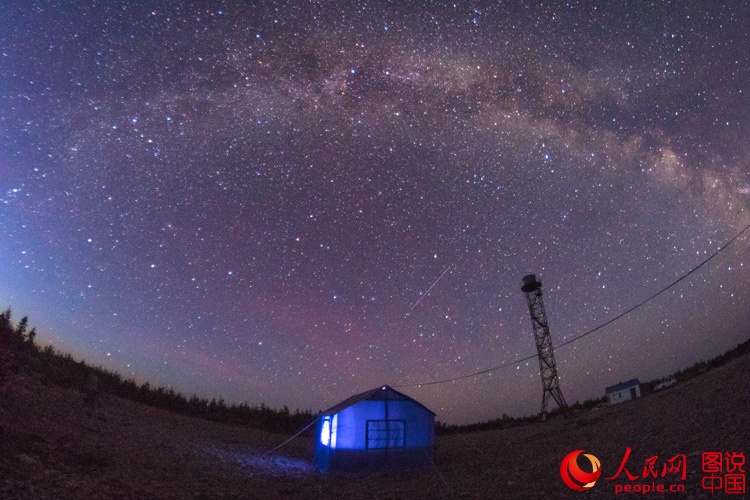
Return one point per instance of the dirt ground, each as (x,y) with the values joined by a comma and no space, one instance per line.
(52,447)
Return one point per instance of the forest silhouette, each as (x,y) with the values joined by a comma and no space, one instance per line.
(21,354)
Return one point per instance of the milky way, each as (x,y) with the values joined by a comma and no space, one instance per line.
(254,201)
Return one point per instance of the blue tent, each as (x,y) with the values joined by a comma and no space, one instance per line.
(377,430)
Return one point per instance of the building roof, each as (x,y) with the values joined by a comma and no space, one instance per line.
(382,393)
(622,385)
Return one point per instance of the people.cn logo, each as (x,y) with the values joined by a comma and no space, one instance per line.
(575,477)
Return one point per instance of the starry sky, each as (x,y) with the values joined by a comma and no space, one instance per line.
(292,202)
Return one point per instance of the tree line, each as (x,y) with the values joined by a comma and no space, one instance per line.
(20,354)
(680,376)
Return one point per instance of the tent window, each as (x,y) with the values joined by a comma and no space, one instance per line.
(386,434)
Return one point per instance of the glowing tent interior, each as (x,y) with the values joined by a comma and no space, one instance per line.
(380,429)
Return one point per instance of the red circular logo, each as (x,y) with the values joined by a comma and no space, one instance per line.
(575,477)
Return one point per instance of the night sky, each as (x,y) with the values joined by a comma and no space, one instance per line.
(253,201)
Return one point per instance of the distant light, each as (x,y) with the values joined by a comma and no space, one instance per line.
(230,272)
(325,432)
(352,70)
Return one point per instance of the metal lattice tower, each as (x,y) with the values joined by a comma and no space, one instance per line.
(550,383)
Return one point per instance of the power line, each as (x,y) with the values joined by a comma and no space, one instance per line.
(435,382)
(579,337)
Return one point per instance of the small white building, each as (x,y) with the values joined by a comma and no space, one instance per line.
(624,391)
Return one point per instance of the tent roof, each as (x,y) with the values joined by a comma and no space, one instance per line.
(382,393)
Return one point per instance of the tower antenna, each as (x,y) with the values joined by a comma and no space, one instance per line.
(547,367)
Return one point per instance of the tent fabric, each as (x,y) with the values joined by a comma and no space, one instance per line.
(378,394)
(376,430)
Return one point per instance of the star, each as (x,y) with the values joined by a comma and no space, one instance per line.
(334,162)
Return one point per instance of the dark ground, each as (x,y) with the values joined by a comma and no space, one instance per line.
(51,446)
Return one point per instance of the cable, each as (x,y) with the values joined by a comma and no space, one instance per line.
(285,442)
(435,382)
(579,337)
(657,293)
